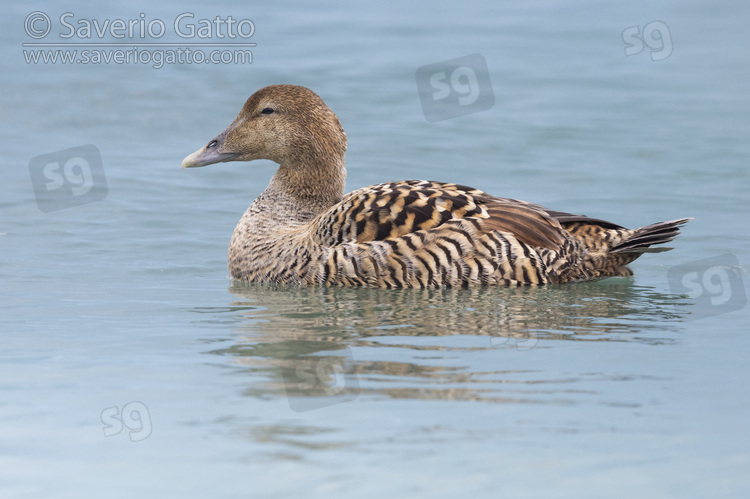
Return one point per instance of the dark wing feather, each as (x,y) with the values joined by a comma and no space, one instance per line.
(531,224)
(564,217)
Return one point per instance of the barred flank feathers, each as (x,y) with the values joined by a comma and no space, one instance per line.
(428,234)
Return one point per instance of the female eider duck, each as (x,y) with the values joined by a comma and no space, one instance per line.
(303,230)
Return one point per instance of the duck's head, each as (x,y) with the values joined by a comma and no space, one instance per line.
(287,124)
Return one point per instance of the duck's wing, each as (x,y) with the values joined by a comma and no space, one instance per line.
(391,210)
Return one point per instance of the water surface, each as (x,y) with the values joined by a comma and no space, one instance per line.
(122,307)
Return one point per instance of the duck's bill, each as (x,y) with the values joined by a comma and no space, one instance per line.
(203,157)
(209,154)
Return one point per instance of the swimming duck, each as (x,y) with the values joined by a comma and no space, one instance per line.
(303,230)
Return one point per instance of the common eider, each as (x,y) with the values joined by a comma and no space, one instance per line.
(413,233)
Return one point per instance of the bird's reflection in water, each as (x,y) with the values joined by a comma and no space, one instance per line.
(317,344)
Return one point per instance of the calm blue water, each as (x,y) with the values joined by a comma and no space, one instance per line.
(133,366)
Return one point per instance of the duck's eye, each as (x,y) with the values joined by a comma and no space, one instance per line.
(212,144)
(267,110)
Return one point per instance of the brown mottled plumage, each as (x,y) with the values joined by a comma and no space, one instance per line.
(303,230)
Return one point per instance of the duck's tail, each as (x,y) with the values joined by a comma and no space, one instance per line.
(612,247)
(641,240)
(636,242)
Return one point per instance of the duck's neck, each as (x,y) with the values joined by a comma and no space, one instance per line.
(299,193)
